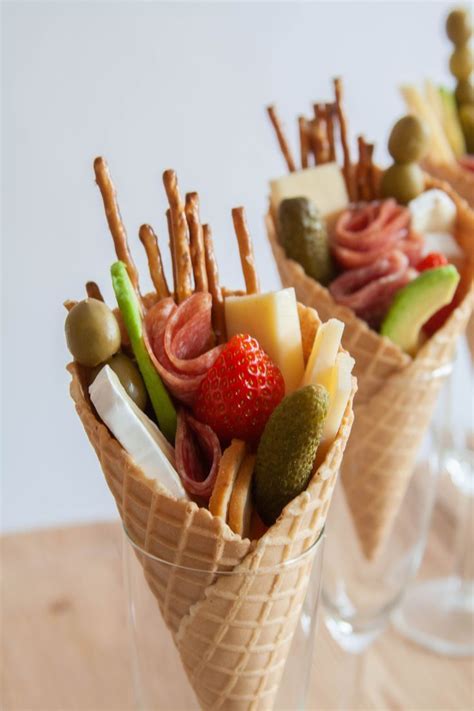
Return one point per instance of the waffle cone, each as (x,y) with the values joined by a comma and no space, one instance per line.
(233,632)
(461,180)
(396,394)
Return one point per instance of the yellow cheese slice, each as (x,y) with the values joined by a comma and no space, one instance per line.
(324,185)
(344,366)
(321,366)
(273,320)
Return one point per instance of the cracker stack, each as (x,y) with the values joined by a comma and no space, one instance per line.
(396,393)
(233,632)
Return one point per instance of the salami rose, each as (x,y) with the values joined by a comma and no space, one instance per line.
(198,454)
(180,342)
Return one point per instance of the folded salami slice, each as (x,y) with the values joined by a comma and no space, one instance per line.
(197,453)
(180,342)
(369,290)
(365,233)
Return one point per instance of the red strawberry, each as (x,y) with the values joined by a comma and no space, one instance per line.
(432,260)
(240,391)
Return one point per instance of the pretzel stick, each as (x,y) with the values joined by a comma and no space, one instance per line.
(196,240)
(347,170)
(218,315)
(180,236)
(112,212)
(285,149)
(149,240)
(317,144)
(321,119)
(330,109)
(245,250)
(371,181)
(93,291)
(361,169)
(172,251)
(304,141)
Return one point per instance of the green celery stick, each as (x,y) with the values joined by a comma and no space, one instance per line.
(130,309)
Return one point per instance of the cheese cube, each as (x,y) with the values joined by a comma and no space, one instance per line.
(324,185)
(273,320)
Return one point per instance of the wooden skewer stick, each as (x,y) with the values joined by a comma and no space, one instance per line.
(283,143)
(172,252)
(246,250)
(114,219)
(304,142)
(330,110)
(347,168)
(198,257)
(371,180)
(93,291)
(149,240)
(218,314)
(180,236)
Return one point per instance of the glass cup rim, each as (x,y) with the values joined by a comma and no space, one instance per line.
(206,571)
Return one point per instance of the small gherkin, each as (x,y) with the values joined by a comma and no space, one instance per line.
(304,237)
(287,450)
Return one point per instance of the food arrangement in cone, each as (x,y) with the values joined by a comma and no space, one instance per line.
(219,419)
(389,253)
(449,113)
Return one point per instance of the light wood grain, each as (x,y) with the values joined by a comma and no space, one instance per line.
(64,636)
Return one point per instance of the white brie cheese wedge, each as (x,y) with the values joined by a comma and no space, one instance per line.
(137,434)
(432,211)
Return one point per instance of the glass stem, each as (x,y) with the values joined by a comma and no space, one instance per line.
(352,686)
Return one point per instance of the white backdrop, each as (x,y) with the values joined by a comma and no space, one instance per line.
(152,86)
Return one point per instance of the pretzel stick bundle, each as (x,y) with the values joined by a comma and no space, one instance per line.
(114,219)
(180,237)
(280,134)
(150,242)
(347,170)
(218,314)
(198,257)
(93,291)
(304,141)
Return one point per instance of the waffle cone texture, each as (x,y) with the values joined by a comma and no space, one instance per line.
(461,180)
(233,632)
(396,393)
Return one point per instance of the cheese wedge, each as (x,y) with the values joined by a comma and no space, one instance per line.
(273,320)
(137,434)
(324,185)
(344,365)
(321,367)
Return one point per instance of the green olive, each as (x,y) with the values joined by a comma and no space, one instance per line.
(464,92)
(92,332)
(466,116)
(458,26)
(129,375)
(408,140)
(402,182)
(461,62)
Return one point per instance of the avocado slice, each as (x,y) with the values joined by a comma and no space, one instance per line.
(416,303)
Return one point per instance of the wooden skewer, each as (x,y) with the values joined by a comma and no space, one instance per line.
(330,110)
(218,314)
(246,251)
(114,219)
(93,291)
(198,257)
(304,142)
(172,252)
(283,143)
(371,181)
(180,236)
(150,241)
(347,168)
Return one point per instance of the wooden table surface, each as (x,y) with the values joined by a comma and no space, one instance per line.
(64,636)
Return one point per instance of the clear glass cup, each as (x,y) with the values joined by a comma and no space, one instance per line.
(159,678)
(438,613)
(359,595)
